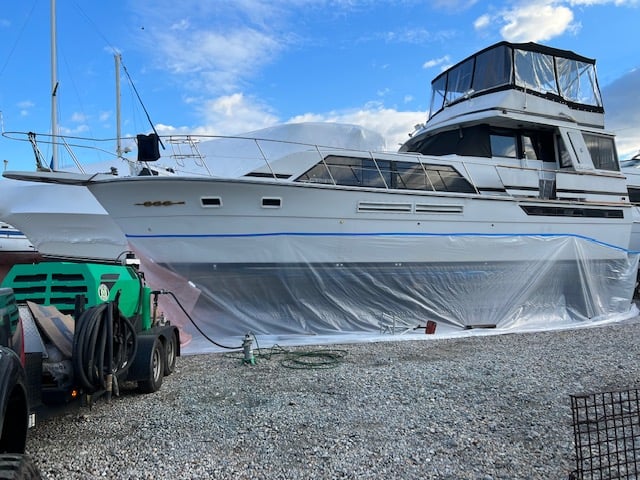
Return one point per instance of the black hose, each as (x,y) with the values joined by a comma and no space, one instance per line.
(91,343)
(194,323)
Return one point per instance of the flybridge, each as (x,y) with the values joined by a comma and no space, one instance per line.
(558,75)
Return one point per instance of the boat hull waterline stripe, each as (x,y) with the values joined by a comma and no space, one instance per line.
(380,234)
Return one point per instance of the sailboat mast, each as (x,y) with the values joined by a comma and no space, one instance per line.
(118,132)
(54,89)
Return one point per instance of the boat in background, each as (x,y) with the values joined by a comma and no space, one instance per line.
(507,209)
(68,223)
(15,248)
(631,168)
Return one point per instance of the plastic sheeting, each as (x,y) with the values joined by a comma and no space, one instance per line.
(573,282)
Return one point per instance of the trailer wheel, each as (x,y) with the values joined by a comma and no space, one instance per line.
(15,466)
(156,369)
(171,354)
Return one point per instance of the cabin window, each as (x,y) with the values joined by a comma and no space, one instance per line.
(634,195)
(603,152)
(459,81)
(367,172)
(578,82)
(346,171)
(504,145)
(410,176)
(470,141)
(563,153)
(439,90)
(538,146)
(535,71)
(484,141)
(445,178)
(493,69)
(528,150)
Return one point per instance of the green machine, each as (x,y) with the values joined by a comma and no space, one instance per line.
(92,326)
(61,283)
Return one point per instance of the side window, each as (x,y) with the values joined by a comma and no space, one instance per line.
(528,150)
(563,153)
(345,171)
(503,145)
(602,151)
(634,195)
(410,176)
(538,146)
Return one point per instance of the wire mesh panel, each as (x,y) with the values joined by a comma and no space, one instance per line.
(606,428)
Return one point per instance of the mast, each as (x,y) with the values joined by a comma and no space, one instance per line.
(54,89)
(118,132)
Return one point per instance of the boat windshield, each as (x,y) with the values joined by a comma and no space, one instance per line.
(557,74)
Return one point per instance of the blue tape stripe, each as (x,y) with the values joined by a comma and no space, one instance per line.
(384,234)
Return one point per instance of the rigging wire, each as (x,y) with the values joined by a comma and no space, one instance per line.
(142,104)
(124,68)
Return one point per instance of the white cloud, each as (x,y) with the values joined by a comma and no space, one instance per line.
(532,22)
(25,107)
(223,59)
(78,117)
(482,21)
(436,61)
(536,22)
(228,115)
(78,129)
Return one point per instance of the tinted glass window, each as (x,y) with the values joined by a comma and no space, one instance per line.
(504,145)
(364,172)
(602,151)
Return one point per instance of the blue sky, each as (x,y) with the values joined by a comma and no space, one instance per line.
(227,67)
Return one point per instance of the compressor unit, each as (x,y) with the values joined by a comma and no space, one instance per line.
(90,327)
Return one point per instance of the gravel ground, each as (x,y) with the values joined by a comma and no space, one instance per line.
(482,408)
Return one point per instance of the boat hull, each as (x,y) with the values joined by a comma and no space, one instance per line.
(219,221)
(329,260)
(62,221)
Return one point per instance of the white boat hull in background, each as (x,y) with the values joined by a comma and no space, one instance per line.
(62,221)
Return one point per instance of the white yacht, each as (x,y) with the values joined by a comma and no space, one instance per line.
(15,247)
(65,222)
(631,168)
(508,204)
(13,241)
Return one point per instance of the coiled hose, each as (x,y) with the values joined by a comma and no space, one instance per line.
(104,342)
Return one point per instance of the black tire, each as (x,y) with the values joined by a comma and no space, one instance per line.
(15,466)
(156,369)
(171,354)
